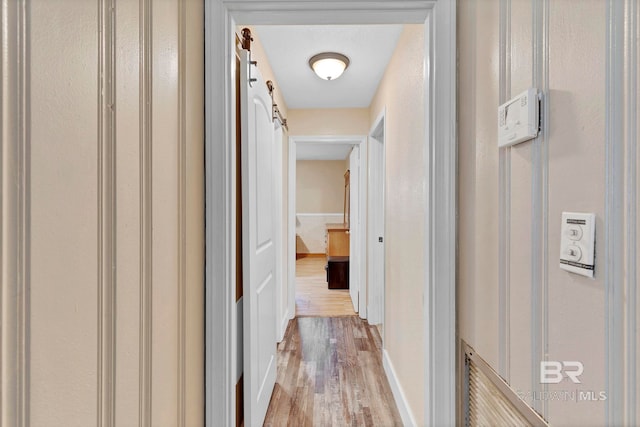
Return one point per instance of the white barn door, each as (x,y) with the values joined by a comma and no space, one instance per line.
(259,249)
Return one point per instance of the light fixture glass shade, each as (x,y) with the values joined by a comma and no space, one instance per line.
(329,65)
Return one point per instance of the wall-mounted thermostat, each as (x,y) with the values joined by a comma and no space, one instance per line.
(519,118)
(578,243)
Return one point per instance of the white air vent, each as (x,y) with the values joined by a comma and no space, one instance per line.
(488,400)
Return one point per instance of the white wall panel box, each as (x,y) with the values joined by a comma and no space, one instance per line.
(578,243)
(519,118)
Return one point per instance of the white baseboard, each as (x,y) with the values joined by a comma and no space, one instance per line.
(283,326)
(398,394)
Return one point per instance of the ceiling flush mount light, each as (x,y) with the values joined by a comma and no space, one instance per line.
(329,65)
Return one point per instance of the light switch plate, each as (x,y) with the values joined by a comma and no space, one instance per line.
(578,243)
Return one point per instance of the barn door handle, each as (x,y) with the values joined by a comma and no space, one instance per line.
(255,63)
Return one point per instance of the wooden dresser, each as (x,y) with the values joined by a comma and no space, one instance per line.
(337,240)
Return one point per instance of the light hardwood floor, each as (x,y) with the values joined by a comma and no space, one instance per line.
(330,374)
(313,297)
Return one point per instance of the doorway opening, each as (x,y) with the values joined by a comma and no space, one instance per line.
(439,104)
(327,235)
(375,222)
(322,233)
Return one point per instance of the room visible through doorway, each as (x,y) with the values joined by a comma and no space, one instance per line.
(313,296)
(326,225)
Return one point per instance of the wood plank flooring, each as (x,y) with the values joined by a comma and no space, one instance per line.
(313,298)
(330,374)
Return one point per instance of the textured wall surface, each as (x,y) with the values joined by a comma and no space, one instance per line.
(401,93)
(516,306)
(329,121)
(102,213)
(320,186)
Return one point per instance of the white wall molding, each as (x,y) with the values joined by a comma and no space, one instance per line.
(398,393)
(259,12)
(631,302)
(504,200)
(182,213)
(15,213)
(546,130)
(539,201)
(614,212)
(146,211)
(106,215)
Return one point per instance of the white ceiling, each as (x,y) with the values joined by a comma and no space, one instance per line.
(322,151)
(289,47)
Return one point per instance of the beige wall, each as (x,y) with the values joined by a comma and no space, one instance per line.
(102,214)
(320,186)
(512,310)
(478,177)
(319,190)
(329,121)
(401,93)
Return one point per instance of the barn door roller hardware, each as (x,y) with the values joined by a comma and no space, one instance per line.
(246,44)
(275,111)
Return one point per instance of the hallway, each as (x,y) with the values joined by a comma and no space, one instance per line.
(330,373)
(149,216)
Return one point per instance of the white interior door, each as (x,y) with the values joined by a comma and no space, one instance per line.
(354,228)
(259,248)
(375,250)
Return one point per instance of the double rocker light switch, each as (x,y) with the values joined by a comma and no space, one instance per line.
(578,242)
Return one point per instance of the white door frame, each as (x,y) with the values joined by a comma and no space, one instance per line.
(282,307)
(358,228)
(221,16)
(360,143)
(375,291)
